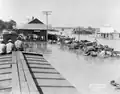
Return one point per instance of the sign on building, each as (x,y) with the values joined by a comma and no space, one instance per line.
(36,30)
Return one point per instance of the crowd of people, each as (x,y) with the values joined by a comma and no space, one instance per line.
(7,48)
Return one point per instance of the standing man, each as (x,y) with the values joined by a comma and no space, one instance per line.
(19,44)
(2,47)
(10,47)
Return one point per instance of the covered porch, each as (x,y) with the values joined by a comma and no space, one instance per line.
(106,35)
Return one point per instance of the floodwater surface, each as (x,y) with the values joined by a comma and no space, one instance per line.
(88,75)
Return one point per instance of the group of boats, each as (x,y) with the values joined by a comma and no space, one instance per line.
(88,48)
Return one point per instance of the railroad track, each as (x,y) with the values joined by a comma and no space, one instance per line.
(29,73)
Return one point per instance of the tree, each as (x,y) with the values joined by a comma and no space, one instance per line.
(90,28)
(13,23)
(2,25)
(9,24)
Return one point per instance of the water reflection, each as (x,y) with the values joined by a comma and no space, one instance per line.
(38,47)
(79,70)
(46,49)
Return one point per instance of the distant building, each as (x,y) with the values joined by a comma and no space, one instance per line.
(64,31)
(34,28)
(108,32)
(82,30)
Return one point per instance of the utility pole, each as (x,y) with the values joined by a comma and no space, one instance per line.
(96,36)
(47,13)
(78,33)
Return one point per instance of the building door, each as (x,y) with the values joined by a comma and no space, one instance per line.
(37,33)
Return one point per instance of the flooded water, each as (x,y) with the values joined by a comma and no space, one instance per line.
(88,75)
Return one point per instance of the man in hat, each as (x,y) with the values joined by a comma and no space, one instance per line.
(10,46)
(19,44)
(2,47)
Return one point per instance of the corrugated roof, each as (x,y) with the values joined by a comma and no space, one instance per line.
(33,26)
(35,21)
(106,29)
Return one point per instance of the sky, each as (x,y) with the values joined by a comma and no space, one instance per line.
(85,13)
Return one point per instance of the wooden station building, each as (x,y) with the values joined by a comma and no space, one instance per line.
(34,28)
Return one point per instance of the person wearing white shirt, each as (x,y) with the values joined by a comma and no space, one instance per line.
(19,44)
(2,47)
(9,47)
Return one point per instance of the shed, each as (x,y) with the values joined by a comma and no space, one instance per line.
(108,32)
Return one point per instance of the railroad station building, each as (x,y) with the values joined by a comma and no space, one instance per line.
(35,29)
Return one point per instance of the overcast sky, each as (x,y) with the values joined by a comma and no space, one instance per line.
(64,12)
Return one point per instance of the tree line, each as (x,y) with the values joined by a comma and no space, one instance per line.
(83,30)
(9,25)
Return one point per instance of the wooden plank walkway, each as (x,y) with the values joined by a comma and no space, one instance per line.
(15,77)
(28,73)
(47,78)
(5,74)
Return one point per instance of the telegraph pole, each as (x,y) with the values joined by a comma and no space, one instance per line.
(47,13)
(78,29)
(96,36)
